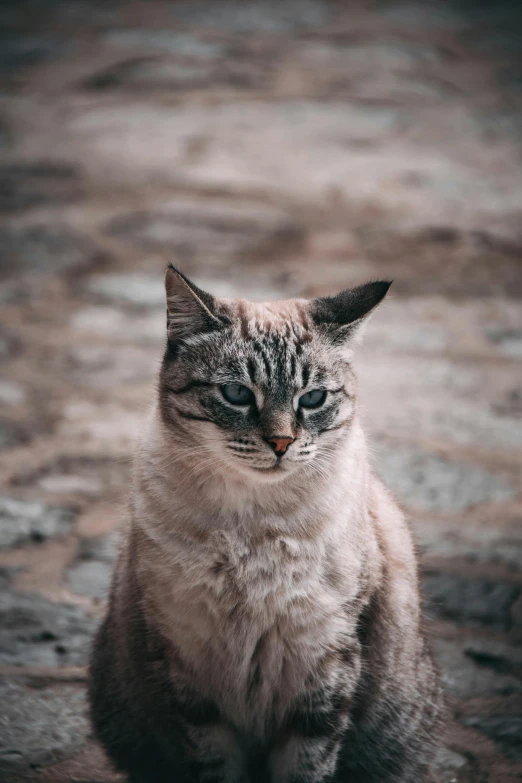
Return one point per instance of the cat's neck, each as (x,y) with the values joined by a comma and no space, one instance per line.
(174,481)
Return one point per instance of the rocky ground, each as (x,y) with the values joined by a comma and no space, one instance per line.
(267,148)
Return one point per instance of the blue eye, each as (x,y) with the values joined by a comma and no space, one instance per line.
(312,399)
(236,394)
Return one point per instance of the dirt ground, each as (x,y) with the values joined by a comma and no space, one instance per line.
(269,149)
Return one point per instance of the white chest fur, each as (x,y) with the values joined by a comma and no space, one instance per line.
(252,618)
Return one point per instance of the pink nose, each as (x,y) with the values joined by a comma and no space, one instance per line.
(280,444)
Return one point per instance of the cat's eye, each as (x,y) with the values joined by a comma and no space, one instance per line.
(312,399)
(237,394)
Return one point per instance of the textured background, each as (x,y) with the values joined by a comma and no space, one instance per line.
(267,148)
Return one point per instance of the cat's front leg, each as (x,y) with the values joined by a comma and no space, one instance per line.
(213,755)
(308,747)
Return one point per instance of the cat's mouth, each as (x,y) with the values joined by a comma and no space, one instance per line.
(277,471)
(272,472)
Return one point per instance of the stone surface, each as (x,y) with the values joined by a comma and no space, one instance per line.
(43,249)
(26,185)
(423,480)
(506,730)
(38,726)
(472,601)
(21,53)
(73,474)
(111,428)
(303,146)
(111,323)
(91,574)
(135,289)
(457,401)
(411,14)
(253,16)
(77,485)
(97,366)
(35,631)
(26,522)
(9,343)
(483,544)
(510,405)
(473,262)
(207,232)
(464,678)
(462,423)
(388,70)
(6,574)
(509,341)
(11,393)
(448,763)
(11,434)
(161,74)
(183,44)
(496,655)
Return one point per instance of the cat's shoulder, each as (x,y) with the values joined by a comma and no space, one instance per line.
(391,526)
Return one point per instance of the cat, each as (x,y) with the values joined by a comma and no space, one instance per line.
(264,620)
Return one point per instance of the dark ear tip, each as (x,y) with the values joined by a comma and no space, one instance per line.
(381,288)
(350,305)
(170,268)
(375,289)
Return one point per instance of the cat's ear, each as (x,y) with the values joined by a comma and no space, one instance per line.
(190,310)
(342,316)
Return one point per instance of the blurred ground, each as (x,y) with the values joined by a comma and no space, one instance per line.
(268,148)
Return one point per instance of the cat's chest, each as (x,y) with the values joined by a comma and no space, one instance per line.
(266,574)
(255,618)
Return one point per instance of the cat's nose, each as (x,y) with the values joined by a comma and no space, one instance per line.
(280,443)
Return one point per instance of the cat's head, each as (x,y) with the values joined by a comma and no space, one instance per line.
(265,389)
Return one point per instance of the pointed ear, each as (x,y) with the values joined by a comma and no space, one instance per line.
(344,314)
(190,310)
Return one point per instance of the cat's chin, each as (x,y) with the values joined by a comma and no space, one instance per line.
(271,474)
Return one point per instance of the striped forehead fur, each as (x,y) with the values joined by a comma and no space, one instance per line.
(267,340)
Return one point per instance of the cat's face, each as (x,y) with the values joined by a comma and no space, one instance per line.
(265,389)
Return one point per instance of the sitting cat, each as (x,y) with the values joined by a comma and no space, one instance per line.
(264,620)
